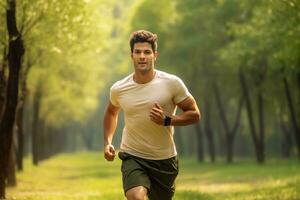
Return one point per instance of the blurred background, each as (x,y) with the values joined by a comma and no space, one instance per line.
(240,60)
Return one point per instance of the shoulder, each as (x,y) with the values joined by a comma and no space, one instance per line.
(167,76)
(171,78)
(122,83)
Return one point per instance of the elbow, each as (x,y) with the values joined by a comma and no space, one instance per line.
(197,117)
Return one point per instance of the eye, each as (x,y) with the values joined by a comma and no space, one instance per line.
(148,52)
(137,51)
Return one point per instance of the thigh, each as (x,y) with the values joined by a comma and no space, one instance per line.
(133,174)
(163,179)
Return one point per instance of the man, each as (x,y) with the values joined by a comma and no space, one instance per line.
(149,98)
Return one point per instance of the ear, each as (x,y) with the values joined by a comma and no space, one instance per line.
(155,55)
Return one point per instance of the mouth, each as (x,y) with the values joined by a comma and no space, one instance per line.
(142,63)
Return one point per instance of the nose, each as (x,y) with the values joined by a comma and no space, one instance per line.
(142,55)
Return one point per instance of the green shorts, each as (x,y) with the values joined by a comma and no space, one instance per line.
(158,176)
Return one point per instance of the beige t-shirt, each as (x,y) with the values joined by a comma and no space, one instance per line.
(141,136)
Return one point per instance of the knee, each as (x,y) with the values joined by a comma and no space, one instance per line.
(136,194)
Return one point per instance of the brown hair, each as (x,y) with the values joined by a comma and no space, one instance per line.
(143,36)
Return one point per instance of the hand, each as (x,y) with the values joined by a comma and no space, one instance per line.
(109,152)
(157,114)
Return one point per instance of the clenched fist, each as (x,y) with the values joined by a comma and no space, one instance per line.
(109,152)
(157,114)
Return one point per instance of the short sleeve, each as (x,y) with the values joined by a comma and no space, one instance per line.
(113,96)
(180,90)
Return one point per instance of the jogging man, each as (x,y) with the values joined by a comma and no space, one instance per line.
(148,98)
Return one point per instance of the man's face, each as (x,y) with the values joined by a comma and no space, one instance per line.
(143,57)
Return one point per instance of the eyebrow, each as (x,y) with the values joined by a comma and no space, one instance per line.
(142,50)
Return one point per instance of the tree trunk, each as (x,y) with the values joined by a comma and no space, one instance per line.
(234,131)
(292,114)
(15,53)
(50,143)
(286,142)
(256,141)
(225,138)
(3,82)
(298,80)
(35,126)
(27,130)
(229,133)
(43,143)
(209,133)
(229,149)
(19,119)
(200,145)
(11,175)
(20,135)
(261,127)
(221,109)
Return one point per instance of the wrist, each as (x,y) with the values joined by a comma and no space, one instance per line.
(167,121)
(107,143)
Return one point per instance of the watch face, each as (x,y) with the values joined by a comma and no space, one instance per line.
(167,121)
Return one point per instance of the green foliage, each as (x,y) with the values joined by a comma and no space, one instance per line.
(266,46)
(89,176)
(66,48)
(154,15)
(3,32)
(208,42)
(77,48)
(191,37)
(269,38)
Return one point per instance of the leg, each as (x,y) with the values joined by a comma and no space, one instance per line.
(137,193)
(163,179)
(135,178)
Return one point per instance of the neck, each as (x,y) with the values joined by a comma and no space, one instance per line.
(143,77)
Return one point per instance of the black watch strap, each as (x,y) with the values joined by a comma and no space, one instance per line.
(167,121)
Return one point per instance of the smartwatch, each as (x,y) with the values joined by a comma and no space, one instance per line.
(167,121)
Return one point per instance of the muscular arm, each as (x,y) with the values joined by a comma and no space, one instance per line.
(110,124)
(190,113)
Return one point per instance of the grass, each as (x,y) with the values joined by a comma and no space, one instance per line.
(86,176)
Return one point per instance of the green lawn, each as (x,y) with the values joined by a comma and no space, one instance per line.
(86,176)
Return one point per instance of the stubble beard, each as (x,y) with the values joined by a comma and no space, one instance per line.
(145,69)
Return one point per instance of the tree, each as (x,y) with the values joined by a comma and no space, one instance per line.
(15,53)
(266,46)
